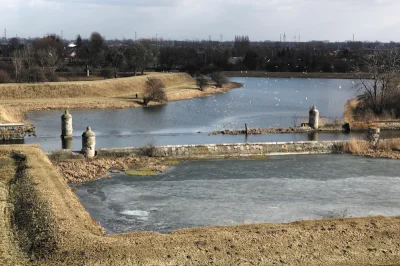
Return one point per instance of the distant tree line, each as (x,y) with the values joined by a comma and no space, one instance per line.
(46,58)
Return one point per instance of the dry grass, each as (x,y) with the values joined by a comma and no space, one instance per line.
(17,99)
(388,145)
(356,146)
(87,89)
(76,239)
(349,110)
(11,114)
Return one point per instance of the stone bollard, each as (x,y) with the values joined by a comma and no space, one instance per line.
(66,143)
(313,118)
(66,125)
(88,143)
(373,134)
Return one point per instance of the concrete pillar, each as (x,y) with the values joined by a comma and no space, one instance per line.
(313,118)
(88,143)
(373,134)
(66,125)
(66,143)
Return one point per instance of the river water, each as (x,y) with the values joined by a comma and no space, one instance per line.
(227,192)
(262,102)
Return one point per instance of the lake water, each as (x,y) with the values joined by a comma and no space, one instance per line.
(262,102)
(226,192)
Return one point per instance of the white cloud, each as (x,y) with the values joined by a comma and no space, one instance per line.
(180,19)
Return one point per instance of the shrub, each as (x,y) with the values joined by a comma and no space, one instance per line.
(4,77)
(201,82)
(37,75)
(148,150)
(154,91)
(356,146)
(51,76)
(219,79)
(107,73)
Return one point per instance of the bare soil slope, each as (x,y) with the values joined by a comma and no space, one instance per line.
(56,230)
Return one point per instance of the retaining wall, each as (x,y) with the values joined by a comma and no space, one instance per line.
(236,149)
(12,131)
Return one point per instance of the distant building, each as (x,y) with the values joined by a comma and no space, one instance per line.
(235,60)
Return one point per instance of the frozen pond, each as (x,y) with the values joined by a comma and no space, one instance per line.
(227,192)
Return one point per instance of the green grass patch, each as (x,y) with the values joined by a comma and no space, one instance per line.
(141,172)
(261,156)
(172,162)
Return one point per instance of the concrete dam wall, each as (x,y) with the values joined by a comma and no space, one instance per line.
(235,149)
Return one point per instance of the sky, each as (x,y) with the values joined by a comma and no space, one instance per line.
(333,20)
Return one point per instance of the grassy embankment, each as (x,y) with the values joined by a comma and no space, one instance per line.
(52,228)
(17,99)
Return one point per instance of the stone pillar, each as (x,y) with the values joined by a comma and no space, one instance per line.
(373,134)
(88,143)
(66,125)
(313,118)
(66,143)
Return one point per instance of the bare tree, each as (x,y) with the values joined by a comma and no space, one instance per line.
(154,91)
(219,79)
(18,62)
(29,57)
(47,58)
(135,56)
(115,58)
(383,67)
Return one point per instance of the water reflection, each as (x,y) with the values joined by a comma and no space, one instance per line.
(313,135)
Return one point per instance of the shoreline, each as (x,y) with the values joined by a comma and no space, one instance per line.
(265,74)
(183,88)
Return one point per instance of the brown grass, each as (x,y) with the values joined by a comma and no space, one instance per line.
(349,110)
(74,238)
(388,145)
(86,89)
(356,146)
(17,99)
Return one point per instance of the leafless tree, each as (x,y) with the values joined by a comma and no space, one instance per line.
(383,66)
(135,56)
(29,58)
(115,59)
(18,62)
(154,91)
(47,58)
(219,79)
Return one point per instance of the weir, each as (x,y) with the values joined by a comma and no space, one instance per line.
(15,131)
(223,150)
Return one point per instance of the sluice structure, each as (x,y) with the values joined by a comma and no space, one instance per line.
(15,131)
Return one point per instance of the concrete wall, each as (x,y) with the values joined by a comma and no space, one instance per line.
(236,149)
(12,131)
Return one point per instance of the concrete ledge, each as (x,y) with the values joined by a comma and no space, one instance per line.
(224,149)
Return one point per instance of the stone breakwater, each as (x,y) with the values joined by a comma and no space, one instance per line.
(228,150)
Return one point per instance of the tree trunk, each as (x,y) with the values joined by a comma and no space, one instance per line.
(87,71)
